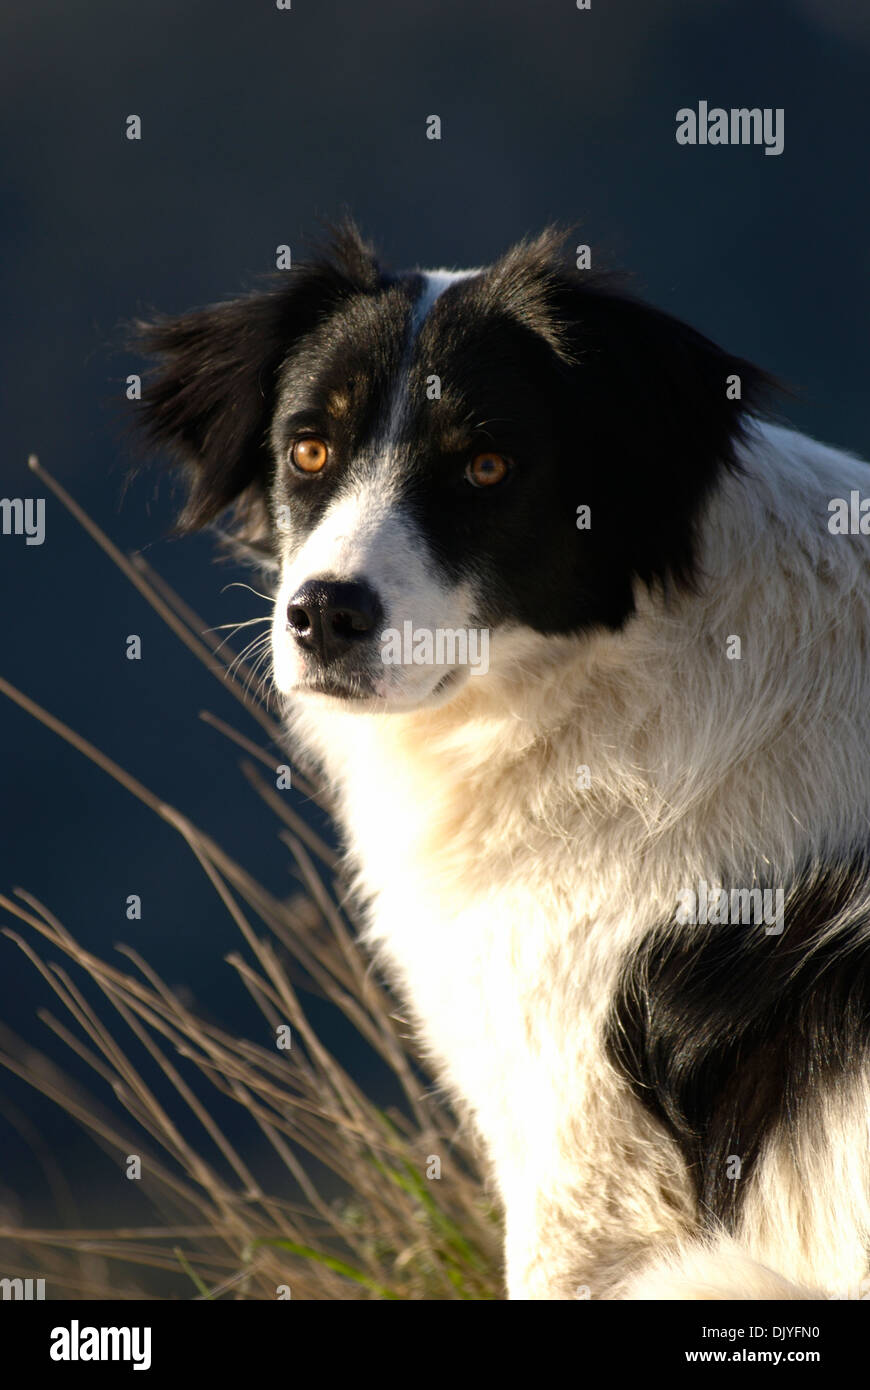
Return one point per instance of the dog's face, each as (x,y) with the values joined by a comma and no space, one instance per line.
(432,460)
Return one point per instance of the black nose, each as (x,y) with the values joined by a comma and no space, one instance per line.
(328,616)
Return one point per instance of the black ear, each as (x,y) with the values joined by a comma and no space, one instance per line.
(662,410)
(210,399)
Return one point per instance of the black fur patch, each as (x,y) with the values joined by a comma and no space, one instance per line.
(725,1032)
(605,402)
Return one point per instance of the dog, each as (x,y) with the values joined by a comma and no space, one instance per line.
(579,637)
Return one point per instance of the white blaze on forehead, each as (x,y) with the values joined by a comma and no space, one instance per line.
(435,282)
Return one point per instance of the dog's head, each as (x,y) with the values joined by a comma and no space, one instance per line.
(428,458)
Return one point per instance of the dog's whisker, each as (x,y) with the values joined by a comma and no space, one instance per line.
(248,622)
(238,584)
(237,627)
(248,652)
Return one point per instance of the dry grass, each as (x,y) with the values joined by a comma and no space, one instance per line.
(385,1229)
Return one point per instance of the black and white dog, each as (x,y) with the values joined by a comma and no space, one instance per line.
(583,649)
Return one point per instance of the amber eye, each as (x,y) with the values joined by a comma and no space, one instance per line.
(486,469)
(309,454)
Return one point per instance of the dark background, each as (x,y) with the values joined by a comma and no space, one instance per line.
(256,123)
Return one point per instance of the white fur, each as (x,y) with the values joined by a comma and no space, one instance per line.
(435,282)
(503,900)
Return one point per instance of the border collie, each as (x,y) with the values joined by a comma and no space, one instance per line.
(581,642)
